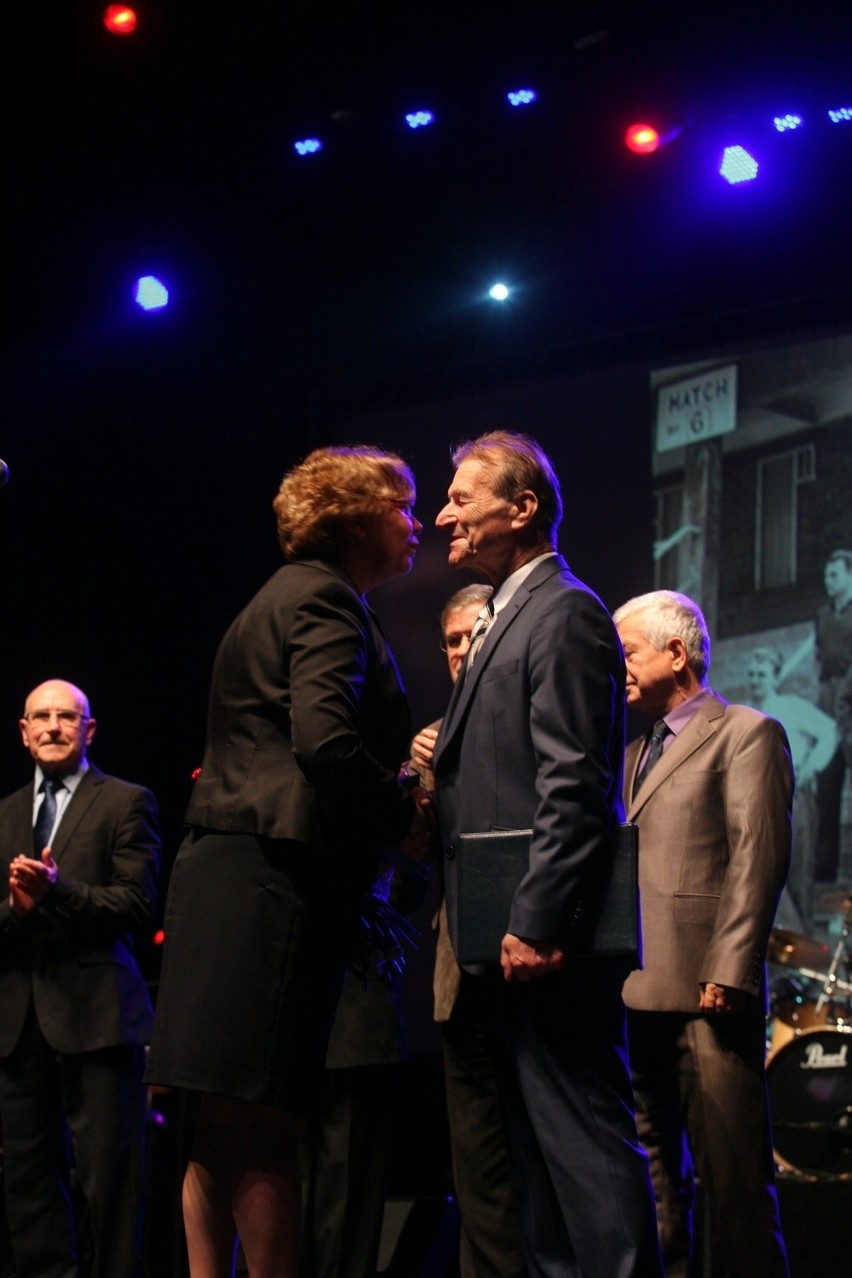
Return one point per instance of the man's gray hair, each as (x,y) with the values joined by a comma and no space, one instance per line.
(666,614)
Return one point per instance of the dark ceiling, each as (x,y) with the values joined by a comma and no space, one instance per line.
(172,151)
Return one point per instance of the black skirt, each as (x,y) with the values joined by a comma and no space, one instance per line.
(253,965)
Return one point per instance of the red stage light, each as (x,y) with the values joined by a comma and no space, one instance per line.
(159,937)
(642,139)
(120,19)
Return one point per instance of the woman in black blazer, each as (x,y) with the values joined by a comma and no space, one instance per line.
(297,795)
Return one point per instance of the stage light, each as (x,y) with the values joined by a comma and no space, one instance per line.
(521,97)
(642,139)
(786,123)
(120,19)
(840,115)
(737,165)
(419,119)
(498,292)
(308,146)
(150,293)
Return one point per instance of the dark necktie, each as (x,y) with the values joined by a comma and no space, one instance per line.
(660,731)
(43,827)
(480,629)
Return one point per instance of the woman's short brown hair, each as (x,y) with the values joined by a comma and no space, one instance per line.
(332,489)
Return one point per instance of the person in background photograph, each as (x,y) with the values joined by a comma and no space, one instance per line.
(833,636)
(814,738)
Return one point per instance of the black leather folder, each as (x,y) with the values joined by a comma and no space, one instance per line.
(491,864)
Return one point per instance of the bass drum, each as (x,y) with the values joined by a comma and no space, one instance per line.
(792,1016)
(810,1095)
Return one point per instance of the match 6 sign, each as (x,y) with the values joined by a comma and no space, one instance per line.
(697,408)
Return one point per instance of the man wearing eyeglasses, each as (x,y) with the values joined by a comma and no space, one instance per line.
(79,853)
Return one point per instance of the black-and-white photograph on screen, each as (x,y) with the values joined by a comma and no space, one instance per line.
(752,464)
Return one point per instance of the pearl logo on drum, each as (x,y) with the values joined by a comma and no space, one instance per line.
(817,1058)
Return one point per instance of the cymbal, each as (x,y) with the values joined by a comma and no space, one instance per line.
(790,949)
(837,902)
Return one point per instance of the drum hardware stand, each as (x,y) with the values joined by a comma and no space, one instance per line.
(832,984)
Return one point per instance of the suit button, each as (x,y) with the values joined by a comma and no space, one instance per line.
(450,853)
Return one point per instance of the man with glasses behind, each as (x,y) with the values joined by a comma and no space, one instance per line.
(79,855)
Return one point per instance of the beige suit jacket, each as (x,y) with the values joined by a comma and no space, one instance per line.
(714,852)
(446,975)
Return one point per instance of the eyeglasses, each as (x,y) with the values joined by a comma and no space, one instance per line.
(404,507)
(453,641)
(70,718)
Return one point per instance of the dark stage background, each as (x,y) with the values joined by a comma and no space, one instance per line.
(342,297)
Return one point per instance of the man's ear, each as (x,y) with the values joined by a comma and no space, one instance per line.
(526,506)
(680,657)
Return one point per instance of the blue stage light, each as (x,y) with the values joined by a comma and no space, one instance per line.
(308,146)
(786,123)
(840,115)
(419,119)
(737,165)
(150,293)
(522,97)
(498,292)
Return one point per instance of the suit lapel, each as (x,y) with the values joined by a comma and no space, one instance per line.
(386,657)
(701,728)
(79,803)
(506,617)
(22,822)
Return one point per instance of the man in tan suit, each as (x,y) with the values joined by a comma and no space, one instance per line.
(710,790)
(490,1244)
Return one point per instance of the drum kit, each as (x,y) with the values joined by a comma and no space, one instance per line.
(809,1062)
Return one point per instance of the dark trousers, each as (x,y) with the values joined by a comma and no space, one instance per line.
(581,1175)
(347,1154)
(91,1104)
(482,1176)
(701,1104)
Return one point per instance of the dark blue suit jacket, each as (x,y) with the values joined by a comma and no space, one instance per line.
(533,738)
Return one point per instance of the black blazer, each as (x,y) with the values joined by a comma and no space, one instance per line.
(75,951)
(308,722)
(533,738)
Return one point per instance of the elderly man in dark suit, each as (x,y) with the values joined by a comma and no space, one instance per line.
(80,852)
(533,739)
(710,789)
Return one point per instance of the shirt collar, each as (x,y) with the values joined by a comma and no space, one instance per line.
(677,719)
(71,781)
(516,579)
